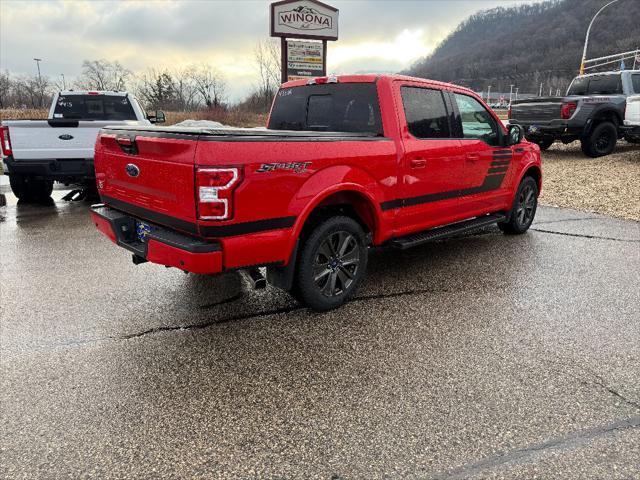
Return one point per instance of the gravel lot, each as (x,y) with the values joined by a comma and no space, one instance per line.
(608,185)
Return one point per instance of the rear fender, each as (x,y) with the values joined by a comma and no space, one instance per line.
(329,182)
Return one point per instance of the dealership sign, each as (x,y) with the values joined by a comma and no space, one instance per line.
(304,59)
(304,19)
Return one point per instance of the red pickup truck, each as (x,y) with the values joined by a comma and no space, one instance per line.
(345,163)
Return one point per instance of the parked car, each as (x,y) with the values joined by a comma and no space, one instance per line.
(593,111)
(39,152)
(345,163)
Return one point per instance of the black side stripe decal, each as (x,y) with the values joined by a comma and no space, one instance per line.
(491,182)
(500,163)
(498,170)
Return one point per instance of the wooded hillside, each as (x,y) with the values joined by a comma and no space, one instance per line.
(531,44)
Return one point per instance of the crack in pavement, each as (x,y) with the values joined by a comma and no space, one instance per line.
(522,454)
(566,220)
(233,318)
(581,235)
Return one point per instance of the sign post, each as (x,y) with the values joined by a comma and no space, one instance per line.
(304,27)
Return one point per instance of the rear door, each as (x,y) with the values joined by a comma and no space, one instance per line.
(433,164)
(486,163)
(632,113)
(149,174)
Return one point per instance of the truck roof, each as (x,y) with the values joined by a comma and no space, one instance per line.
(93,92)
(370,78)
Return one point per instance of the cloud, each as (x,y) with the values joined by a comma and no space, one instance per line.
(375,35)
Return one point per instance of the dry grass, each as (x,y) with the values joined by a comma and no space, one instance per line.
(234,118)
(23,114)
(609,185)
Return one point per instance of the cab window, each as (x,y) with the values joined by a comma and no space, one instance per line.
(425,111)
(477,122)
(635,80)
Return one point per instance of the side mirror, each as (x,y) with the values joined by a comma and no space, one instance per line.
(515,134)
(158,117)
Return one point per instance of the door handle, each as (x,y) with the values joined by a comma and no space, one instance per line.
(473,157)
(418,163)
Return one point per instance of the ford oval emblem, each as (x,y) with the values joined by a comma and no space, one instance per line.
(132,170)
(66,136)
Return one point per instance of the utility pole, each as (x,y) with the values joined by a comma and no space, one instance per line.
(540,92)
(517,93)
(38,60)
(586,39)
(64,85)
(489,94)
(510,93)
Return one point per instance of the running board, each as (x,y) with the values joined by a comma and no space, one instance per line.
(444,232)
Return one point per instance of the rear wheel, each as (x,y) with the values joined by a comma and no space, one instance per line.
(524,208)
(332,263)
(601,141)
(27,188)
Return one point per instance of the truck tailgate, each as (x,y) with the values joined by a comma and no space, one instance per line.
(544,109)
(53,139)
(150,176)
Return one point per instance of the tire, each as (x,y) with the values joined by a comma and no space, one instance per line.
(29,189)
(543,143)
(523,209)
(601,141)
(332,263)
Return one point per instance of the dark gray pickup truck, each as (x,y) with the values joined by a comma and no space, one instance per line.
(593,112)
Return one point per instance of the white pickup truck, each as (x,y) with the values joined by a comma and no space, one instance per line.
(38,152)
(632,112)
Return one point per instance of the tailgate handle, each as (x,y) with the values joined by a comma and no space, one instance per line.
(128,144)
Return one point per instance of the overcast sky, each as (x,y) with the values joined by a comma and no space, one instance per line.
(375,35)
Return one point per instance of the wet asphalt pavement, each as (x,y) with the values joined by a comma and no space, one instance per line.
(479,357)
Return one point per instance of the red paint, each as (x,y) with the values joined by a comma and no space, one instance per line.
(365,174)
(104,226)
(203,263)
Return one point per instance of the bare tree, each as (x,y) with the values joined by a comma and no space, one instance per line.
(267,58)
(186,91)
(5,89)
(103,75)
(210,85)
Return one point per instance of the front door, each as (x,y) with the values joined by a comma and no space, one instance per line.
(486,163)
(433,164)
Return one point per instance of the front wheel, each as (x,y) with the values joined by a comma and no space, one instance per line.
(332,263)
(524,208)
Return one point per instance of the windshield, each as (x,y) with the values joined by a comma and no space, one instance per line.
(346,107)
(94,107)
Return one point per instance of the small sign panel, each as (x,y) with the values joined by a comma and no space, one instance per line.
(304,59)
(304,19)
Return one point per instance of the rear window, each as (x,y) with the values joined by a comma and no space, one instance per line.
(336,107)
(635,80)
(94,107)
(596,85)
(579,86)
(426,113)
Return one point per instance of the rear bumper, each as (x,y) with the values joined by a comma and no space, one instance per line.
(65,170)
(162,246)
(555,128)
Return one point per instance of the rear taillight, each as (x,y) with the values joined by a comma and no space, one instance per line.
(6,141)
(567,110)
(214,188)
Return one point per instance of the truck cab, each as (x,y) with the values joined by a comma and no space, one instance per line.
(38,152)
(345,163)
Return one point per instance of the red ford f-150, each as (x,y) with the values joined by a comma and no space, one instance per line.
(345,163)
